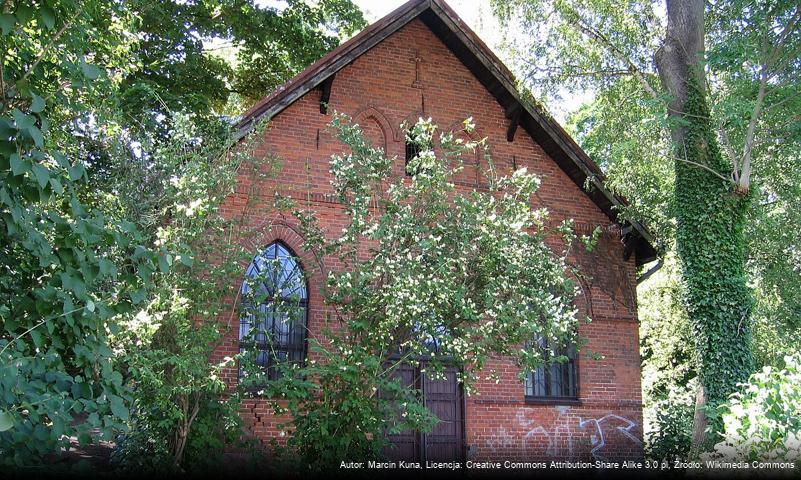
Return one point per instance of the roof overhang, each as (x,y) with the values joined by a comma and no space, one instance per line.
(495,77)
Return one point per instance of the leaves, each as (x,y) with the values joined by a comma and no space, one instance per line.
(79,259)
(48,17)
(77,171)
(18,166)
(762,421)
(605,48)
(91,72)
(38,103)
(6,421)
(261,47)
(7,22)
(55,312)
(118,407)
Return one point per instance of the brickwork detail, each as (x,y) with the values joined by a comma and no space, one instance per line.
(378,90)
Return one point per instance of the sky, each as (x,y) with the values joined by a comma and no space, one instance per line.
(476,13)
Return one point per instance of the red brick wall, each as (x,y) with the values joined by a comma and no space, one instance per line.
(377,91)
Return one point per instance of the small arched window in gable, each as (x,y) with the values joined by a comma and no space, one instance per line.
(413,150)
(274,310)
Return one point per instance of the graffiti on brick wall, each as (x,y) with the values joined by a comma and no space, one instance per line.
(501,441)
(560,439)
(602,426)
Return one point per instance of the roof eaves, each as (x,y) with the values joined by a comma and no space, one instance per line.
(329,64)
(551,127)
(343,55)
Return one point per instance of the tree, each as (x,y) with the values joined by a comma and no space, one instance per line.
(183,415)
(212,57)
(609,46)
(93,95)
(428,271)
(67,268)
(710,218)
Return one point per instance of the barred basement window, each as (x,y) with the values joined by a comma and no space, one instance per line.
(554,381)
(274,310)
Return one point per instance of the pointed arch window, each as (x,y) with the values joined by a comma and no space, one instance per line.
(413,150)
(274,310)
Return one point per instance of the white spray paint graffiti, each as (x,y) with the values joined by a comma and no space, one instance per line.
(502,441)
(599,440)
(562,430)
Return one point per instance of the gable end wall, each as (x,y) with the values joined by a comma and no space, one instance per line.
(377,90)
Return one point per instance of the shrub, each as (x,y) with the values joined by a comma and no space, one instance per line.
(763,420)
(429,272)
(671,426)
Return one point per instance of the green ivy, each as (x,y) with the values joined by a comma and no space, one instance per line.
(711,245)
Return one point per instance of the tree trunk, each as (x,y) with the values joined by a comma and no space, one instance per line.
(710,218)
(700,422)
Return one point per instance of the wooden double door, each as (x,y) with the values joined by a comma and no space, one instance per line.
(444,398)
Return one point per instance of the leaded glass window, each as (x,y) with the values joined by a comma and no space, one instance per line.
(274,310)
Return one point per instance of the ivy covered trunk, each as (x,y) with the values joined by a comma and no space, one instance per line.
(710,214)
(710,242)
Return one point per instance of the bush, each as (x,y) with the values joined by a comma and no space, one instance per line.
(183,417)
(671,426)
(763,420)
(183,412)
(148,447)
(429,273)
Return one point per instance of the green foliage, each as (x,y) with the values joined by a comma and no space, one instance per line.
(763,420)
(755,43)
(668,358)
(669,374)
(428,272)
(68,269)
(632,147)
(183,413)
(347,409)
(710,242)
(179,398)
(566,45)
(671,425)
(111,166)
(606,49)
(195,56)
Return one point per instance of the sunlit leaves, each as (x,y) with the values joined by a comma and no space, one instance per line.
(577,45)
(763,421)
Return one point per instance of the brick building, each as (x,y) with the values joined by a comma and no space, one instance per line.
(421,60)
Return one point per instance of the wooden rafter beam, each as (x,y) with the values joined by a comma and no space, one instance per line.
(630,244)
